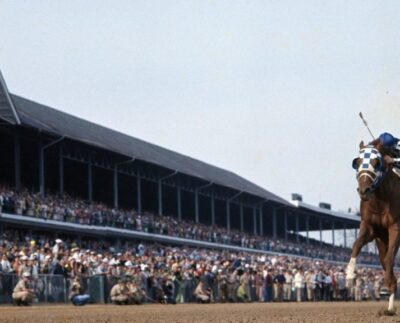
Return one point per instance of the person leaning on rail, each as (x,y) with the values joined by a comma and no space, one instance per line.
(22,294)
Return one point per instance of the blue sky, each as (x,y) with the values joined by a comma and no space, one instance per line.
(268,89)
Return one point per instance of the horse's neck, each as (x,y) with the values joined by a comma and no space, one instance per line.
(390,185)
(388,191)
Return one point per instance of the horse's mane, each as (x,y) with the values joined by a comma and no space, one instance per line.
(378,145)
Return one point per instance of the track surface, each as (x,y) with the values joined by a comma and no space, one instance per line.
(235,313)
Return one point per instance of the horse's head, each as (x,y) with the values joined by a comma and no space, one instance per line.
(370,169)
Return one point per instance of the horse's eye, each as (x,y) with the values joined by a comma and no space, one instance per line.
(355,163)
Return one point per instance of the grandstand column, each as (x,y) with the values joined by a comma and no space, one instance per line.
(254,221)
(297,228)
(160,204)
(307,229)
(241,218)
(344,234)
(212,209)
(61,170)
(42,148)
(285,220)
(228,215)
(90,180)
(41,170)
(115,187)
(196,205)
(261,213)
(139,193)
(179,202)
(17,162)
(274,224)
(333,233)
(320,231)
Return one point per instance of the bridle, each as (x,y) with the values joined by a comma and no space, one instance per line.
(365,169)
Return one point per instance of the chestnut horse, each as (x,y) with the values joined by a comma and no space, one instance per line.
(379,190)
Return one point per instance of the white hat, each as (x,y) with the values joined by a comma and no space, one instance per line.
(24,258)
(26,274)
(58,240)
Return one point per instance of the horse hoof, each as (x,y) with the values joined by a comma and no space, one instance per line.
(389,312)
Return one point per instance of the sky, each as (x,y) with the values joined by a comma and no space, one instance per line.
(270,90)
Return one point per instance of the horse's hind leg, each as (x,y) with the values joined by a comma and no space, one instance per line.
(365,235)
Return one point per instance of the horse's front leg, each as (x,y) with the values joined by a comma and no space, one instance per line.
(365,235)
(390,278)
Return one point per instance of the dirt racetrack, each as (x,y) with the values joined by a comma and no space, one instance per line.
(235,313)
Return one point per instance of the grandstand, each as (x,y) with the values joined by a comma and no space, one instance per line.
(49,151)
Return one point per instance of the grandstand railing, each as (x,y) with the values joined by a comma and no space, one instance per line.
(140,235)
(53,289)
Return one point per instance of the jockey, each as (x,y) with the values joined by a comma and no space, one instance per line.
(392,144)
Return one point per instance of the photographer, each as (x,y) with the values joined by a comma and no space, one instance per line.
(76,295)
(202,295)
(120,293)
(23,294)
(169,290)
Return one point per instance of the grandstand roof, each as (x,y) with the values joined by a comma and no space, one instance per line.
(336,214)
(53,121)
(7,109)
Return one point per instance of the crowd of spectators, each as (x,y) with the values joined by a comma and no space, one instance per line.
(182,274)
(68,209)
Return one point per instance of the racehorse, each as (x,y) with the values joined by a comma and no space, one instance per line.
(379,190)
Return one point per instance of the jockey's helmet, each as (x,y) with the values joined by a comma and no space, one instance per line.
(388,140)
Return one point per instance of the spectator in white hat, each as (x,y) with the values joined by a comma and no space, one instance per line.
(56,248)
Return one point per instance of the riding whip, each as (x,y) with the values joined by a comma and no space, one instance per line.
(366,124)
